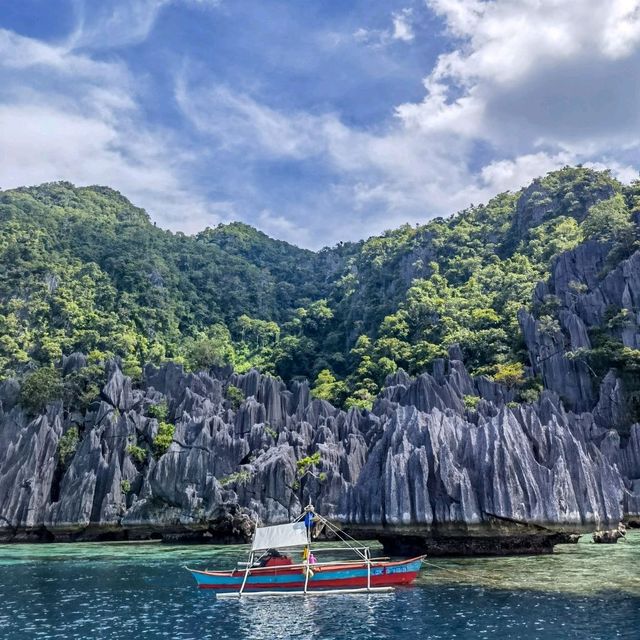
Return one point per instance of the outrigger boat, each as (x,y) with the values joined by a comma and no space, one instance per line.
(270,572)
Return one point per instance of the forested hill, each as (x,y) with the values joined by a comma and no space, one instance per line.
(82,269)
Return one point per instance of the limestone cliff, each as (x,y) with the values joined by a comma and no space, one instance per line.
(443,462)
(419,468)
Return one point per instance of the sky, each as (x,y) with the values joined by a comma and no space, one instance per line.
(317,121)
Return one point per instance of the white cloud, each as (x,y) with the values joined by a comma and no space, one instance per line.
(402,27)
(113,23)
(621,30)
(509,175)
(361,34)
(623,172)
(415,168)
(65,116)
(381,179)
(528,73)
(538,84)
(279,226)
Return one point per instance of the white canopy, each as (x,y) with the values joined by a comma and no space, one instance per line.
(281,535)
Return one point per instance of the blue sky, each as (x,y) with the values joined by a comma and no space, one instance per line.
(316,121)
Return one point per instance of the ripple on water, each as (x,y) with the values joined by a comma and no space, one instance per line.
(117,591)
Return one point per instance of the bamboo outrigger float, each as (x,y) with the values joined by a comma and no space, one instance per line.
(269,572)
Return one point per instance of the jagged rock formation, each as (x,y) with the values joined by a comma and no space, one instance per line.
(419,470)
(585,301)
(609,537)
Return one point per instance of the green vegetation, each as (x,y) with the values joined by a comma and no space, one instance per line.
(326,387)
(159,411)
(529,395)
(211,348)
(471,402)
(530,390)
(235,396)
(137,453)
(67,446)
(306,464)
(163,439)
(82,387)
(608,220)
(606,354)
(82,269)
(40,388)
(510,374)
(125,485)
(271,432)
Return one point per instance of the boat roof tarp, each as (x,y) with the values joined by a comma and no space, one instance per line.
(279,536)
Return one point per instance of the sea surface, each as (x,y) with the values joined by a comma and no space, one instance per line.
(126,590)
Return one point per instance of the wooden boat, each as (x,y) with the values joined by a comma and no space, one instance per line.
(270,572)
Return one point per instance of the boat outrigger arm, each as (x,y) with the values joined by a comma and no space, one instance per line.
(274,574)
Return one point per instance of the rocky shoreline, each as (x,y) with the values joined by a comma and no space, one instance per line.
(420,471)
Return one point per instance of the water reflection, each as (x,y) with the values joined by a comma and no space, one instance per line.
(272,617)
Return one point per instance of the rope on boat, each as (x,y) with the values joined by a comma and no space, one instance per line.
(342,535)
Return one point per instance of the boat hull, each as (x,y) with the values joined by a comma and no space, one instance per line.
(324,577)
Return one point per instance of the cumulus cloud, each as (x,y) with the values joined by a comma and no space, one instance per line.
(533,115)
(539,84)
(381,179)
(506,175)
(64,116)
(529,73)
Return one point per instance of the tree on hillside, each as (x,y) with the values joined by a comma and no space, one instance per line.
(608,220)
(211,349)
(326,387)
(40,388)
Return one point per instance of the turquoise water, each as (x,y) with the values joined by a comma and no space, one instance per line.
(111,590)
